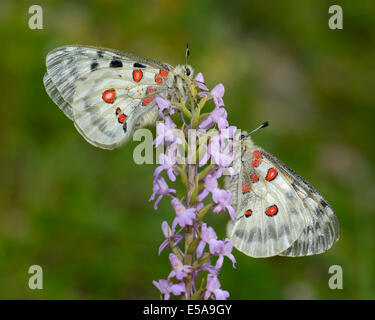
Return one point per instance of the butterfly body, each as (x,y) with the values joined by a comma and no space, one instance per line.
(107,93)
(277,211)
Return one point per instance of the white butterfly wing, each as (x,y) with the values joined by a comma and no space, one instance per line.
(267,223)
(288,217)
(97,119)
(91,85)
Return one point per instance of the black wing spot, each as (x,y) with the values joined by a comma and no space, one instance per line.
(318,212)
(309,229)
(100,53)
(294,186)
(324,203)
(138,65)
(94,66)
(115,64)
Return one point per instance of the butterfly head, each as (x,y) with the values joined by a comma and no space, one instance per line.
(186,72)
(244,134)
(245,140)
(182,79)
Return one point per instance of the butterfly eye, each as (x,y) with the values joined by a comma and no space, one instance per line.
(187,71)
(242,136)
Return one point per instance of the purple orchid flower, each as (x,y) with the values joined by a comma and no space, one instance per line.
(180,271)
(199,82)
(222,249)
(166,132)
(213,270)
(213,288)
(208,235)
(166,287)
(167,164)
(223,200)
(220,153)
(220,150)
(216,93)
(164,104)
(184,216)
(169,234)
(160,187)
(210,184)
(195,245)
(218,116)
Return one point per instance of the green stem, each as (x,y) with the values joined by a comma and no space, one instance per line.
(203,212)
(205,171)
(196,117)
(189,230)
(184,109)
(181,170)
(199,291)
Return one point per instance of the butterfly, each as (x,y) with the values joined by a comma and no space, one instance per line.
(277,211)
(107,93)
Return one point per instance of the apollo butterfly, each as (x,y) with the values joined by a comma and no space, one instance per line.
(277,211)
(108,93)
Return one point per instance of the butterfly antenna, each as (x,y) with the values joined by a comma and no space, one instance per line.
(263,125)
(187,53)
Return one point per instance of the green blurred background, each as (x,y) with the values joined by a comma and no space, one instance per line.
(82,213)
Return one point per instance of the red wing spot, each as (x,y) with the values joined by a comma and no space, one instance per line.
(248,213)
(109,96)
(254,178)
(118,111)
(137,75)
(255,163)
(164,73)
(122,118)
(272,210)
(257,155)
(257,159)
(150,90)
(245,187)
(271,174)
(147,101)
(158,79)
